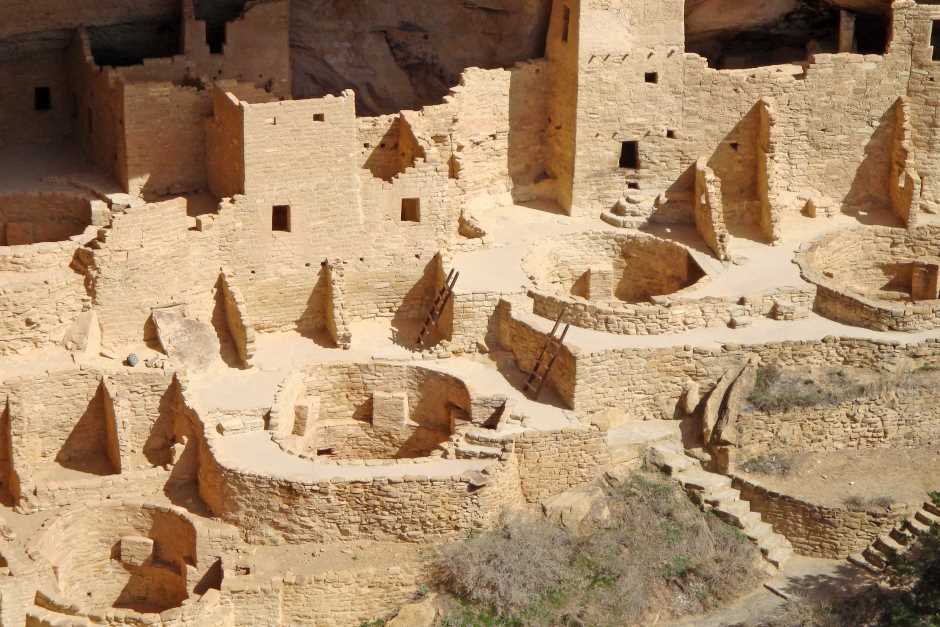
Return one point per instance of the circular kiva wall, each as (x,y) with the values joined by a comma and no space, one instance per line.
(369,411)
(31,218)
(879,278)
(135,557)
(621,283)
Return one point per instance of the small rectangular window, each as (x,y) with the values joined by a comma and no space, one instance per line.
(280,218)
(935,40)
(651,77)
(670,134)
(42,99)
(565,23)
(633,185)
(411,210)
(319,117)
(215,37)
(630,155)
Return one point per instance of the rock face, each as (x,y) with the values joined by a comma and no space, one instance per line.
(735,34)
(408,53)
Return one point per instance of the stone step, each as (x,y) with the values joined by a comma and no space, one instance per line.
(476,451)
(902,535)
(721,495)
(927,518)
(734,508)
(932,508)
(773,541)
(875,558)
(859,560)
(887,546)
(779,555)
(698,479)
(915,526)
(669,460)
(759,531)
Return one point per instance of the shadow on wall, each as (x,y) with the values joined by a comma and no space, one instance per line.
(409,317)
(86,449)
(312,322)
(157,447)
(228,350)
(8,478)
(869,199)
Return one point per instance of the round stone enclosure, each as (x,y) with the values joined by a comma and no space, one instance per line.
(880,278)
(373,411)
(602,267)
(134,557)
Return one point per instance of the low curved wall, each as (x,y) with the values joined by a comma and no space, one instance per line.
(851,269)
(668,314)
(634,266)
(94,583)
(816,530)
(392,506)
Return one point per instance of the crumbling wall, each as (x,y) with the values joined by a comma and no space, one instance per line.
(150,258)
(708,210)
(906,182)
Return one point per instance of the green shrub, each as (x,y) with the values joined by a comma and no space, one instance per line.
(656,548)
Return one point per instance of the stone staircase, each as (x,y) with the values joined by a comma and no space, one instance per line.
(876,556)
(475,443)
(713,492)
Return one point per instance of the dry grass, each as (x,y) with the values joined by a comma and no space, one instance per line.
(778,389)
(658,552)
(769,464)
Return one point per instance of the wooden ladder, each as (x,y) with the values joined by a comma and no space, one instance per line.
(546,358)
(443,297)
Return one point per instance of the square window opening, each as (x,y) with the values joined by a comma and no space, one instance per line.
(633,185)
(411,210)
(565,23)
(670,134)
(651,77)
(319,117)
(630,155)
(280,218)
(215,37)
(935,40)
(735,146)
(42,99)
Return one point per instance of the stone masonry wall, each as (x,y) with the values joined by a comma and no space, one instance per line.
(815,530)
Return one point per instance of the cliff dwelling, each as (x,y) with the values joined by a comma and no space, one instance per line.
(300,299)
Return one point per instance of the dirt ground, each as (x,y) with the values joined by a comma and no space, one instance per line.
(904,475)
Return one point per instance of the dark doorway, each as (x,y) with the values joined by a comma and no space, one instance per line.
(630,155)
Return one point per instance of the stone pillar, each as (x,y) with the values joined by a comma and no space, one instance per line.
(846,31)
